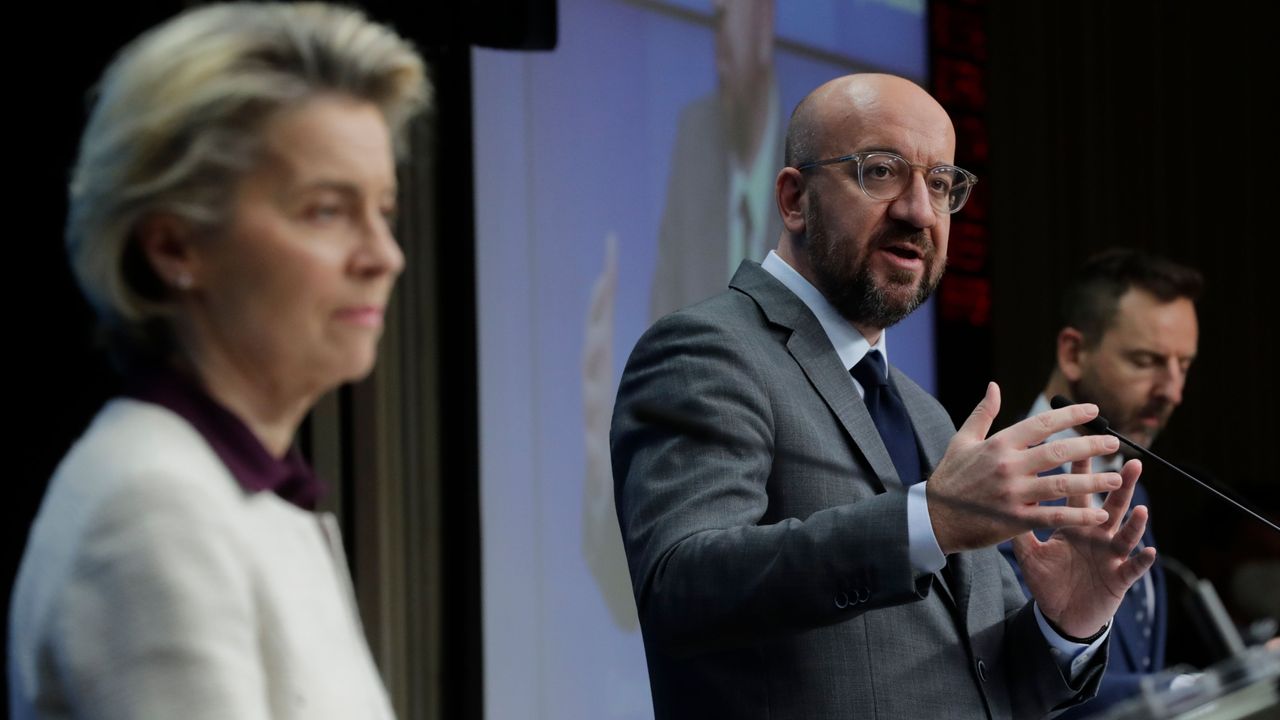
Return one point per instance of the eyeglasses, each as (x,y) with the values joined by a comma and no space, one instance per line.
(887,176)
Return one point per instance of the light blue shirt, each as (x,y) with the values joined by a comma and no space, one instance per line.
(922,549)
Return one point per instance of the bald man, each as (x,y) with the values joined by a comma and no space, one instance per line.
(807,533)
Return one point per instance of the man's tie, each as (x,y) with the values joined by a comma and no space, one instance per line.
(890,417)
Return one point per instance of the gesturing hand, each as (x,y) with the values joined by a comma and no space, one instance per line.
(1080,574)
(987,489)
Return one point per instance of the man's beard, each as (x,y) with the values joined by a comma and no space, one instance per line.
(1126,423)
(848,284)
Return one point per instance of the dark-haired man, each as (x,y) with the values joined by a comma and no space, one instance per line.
(1128,338)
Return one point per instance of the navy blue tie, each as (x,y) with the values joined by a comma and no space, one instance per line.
(890,417)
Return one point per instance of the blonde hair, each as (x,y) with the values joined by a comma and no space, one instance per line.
(176,124)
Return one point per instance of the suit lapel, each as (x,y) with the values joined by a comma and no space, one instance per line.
(812,351)
(934,433)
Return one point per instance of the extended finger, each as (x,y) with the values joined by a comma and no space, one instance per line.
(1056,516)
(1078,501)
(1068,450)
(1036,428)
(1126,539)
(1080,467)
(1133,568)
(979,422)
(1132,469)
(1075,487)
(1117,502)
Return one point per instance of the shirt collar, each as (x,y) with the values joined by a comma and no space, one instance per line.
(250,463)
(849,344)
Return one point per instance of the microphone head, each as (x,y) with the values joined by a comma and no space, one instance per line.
(1098,425)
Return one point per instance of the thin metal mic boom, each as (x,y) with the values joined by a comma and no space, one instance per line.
(1100,425)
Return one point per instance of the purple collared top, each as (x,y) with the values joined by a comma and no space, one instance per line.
(252,465)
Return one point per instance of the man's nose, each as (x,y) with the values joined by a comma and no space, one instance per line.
(914,205)
(1172,379)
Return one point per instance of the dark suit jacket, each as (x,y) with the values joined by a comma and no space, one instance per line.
(766,534)
(1137,647)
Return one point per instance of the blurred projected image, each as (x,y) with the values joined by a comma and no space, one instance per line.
(621,177)
(601,538)
(728,150)
(719,211)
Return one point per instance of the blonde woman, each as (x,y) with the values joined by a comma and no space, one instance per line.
(230,225)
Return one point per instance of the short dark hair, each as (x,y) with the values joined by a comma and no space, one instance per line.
(1090,301)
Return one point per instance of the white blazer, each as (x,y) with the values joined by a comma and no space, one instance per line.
(153,586)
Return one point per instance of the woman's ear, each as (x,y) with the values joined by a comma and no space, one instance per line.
(165,241)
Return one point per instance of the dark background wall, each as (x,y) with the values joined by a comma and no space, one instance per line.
(58,379)
(1142,124)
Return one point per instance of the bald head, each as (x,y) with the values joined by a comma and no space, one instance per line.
(842,112)
(875,259)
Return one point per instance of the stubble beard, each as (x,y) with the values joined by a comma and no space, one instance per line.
(849,284)
(1085,390)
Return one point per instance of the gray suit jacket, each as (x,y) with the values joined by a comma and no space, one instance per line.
(765,529)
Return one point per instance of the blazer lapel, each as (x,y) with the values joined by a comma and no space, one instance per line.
(812,350)
(933,435)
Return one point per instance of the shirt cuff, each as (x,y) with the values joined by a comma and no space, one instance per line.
(1071,657)
(926,557)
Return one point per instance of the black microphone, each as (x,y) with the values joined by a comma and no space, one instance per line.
(1207,611)
(1100,426)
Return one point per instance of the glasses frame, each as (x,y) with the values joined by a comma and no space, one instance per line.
(859,157)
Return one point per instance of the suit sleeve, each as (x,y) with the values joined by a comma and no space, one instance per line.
(1114,689)
(1036,680)
(158,619)
(693,491)
(1006,550)
(1094,681)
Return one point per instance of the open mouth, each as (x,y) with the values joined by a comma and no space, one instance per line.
(906,252)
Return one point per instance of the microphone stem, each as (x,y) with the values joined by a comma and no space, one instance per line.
(1143,451)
